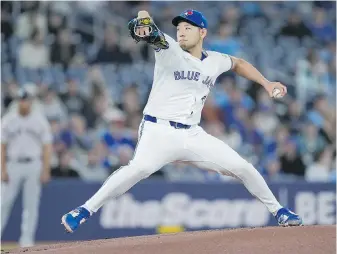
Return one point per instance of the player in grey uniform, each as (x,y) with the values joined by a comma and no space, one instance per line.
(25,162)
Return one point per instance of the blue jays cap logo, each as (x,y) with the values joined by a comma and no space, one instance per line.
(187,13)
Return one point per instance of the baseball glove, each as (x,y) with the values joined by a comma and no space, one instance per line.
(155,38)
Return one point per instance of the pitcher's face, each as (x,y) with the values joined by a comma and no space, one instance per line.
(188,36)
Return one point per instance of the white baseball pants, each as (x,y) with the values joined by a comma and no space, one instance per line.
(26,175)
(160,144)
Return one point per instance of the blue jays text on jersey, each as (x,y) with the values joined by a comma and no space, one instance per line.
(193,75)
(190,75)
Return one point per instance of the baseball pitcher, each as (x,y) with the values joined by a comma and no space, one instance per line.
(184,74)
(25,158)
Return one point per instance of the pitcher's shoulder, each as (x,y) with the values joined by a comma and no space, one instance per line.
(224,60)
(213,53)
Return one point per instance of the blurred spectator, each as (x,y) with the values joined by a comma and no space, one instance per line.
(130,104)
(42,89)
(272,169)
(65,168)
(291,161)
(295,27)
(294,118)
(225,42)
(110,51)
(58,145)
(117,138)
(74,101)
(84,23)
(323,116)
(265,120)
(240,121)
(321,28)
(29,21)
(63,50)
(251,134)
(91,167)
(310,142)
(321,169)
(75,136)
(137,52)
(310,77)
(231,15)
(6,24)
(99,99)
(117,134)
(228,103)
(10,92)
(56,22)
(97,82)
(33,54)
(53,107)
(275,143)
(100,109)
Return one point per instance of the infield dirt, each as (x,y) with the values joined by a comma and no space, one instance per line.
(273,240)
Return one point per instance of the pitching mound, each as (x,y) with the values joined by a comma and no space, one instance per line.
(274,240)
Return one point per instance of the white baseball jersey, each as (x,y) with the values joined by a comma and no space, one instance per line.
(25,135)
(182,83)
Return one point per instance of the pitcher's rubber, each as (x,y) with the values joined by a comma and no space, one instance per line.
(268,240)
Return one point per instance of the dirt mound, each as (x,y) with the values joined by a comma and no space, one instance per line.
(274,240)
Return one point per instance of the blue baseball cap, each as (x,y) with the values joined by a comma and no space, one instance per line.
(193,17)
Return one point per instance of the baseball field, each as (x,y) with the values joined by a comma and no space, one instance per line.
(275,240)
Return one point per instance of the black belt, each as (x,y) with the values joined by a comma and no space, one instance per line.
(173,124)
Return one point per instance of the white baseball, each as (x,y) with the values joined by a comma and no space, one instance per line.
(277,93)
